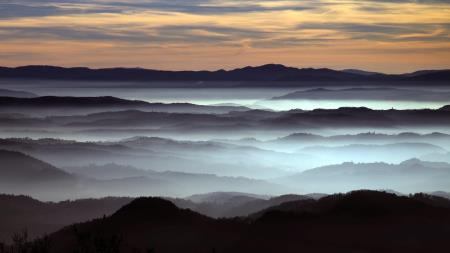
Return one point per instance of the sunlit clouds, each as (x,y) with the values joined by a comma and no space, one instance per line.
(390,36)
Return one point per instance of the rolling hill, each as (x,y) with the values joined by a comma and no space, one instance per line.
(409,176)
(419,223)
(259,74)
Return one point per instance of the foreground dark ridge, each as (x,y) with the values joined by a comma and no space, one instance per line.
(41,218)
(265,73)
(361,221)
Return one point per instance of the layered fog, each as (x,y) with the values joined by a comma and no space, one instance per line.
(67,140)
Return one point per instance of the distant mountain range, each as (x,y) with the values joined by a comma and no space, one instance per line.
(260,74)
(375,94)
(26,175)
(233,204)
(23,174)
(52,105)
(404,177)
(392,153)
(156,154)
(296,141)
(136,122)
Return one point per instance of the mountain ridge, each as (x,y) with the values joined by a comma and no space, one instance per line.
(264,73)
(319,226)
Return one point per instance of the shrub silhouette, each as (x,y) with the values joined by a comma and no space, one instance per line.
(96,242)
(22,244)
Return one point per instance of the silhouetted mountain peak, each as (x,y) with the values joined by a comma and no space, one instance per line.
(153,210)
(413,161)
(360,72)
(149,207)
(267,67)
(365,202)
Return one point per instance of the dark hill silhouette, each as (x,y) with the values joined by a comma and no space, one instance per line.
(83,105)
(445,108)
(155,224)
(354,222)
(362,221)
(39,218)
(429,75)
(261,74)
(362,203)
(376,94)
(155,210)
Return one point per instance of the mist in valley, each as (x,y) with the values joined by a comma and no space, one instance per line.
(175,142)
(217,126)
(77,151)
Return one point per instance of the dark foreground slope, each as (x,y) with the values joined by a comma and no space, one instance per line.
(150,224)
(19,213)
(362,221)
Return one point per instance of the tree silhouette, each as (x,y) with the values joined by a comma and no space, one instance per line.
(96,242)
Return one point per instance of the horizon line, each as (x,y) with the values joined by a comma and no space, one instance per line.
(222,69)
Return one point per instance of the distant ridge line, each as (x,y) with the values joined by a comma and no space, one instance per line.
(262,74)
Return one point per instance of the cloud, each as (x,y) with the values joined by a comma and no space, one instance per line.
(10,10)
(262,30)
(200,34)
(24,8)
(386,31)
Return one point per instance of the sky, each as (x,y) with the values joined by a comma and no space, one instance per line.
(391,36)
